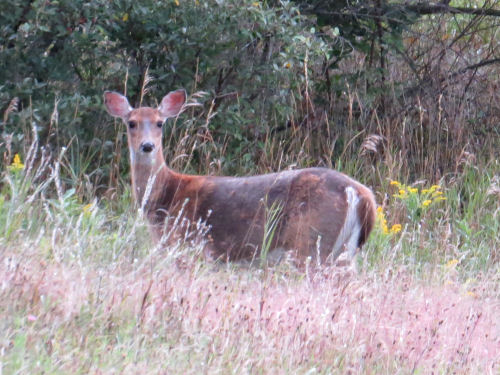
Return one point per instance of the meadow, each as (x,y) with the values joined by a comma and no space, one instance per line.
(84,290)
(401,96)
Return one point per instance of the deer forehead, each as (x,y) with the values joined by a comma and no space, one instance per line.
(145,114)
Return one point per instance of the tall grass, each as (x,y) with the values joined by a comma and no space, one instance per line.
(84,290)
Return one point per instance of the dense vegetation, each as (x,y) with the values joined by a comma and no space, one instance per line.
(403,96)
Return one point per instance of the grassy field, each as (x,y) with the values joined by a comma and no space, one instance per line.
(408,105)
(83,289)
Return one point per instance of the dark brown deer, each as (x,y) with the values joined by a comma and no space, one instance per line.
(313,212)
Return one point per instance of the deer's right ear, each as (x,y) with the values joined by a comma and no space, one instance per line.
(116,104)
(171,104)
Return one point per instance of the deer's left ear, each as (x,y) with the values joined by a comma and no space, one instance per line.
(172,103)
(117,104)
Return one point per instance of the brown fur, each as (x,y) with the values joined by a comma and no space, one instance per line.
(312,204)
(367,213)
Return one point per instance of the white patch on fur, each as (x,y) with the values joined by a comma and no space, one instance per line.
(132,155)
(349,235)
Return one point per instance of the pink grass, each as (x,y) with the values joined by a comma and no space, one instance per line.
(364,318)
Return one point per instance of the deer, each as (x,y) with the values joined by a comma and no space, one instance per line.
(312,213)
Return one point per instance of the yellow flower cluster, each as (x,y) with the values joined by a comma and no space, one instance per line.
(382,220)
(17,165)
(383,223)
(451,263)
(396,228)
(87,208)
(424,198)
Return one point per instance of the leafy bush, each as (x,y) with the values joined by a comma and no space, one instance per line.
(60,56)
(276,87)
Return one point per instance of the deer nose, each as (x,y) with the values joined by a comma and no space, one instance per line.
(147,147)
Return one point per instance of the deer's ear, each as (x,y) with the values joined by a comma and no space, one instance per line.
(116,104)
(172,103)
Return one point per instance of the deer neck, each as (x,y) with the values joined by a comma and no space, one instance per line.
(149,177)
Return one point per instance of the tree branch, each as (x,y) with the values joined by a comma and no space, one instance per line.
(391,10)
(426,9)
(474,67)
(415,89)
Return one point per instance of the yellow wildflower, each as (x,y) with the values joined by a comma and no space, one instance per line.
(402,191)
(451,263)
(256,4)
(125,17)
(413,190)
(434,188)
(437,194)
(471,294)
(17,164)
(394,183)
(396,228)
(87,208)
(383,221)
(426,202)
(425,191)
(385,228)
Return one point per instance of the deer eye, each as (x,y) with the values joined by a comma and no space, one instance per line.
(159,124)
(132,124)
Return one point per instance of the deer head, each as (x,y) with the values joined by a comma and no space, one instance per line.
(144,124)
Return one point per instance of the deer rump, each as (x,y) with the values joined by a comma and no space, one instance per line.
(314,212)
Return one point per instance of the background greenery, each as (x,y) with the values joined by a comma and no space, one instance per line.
(331,73)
